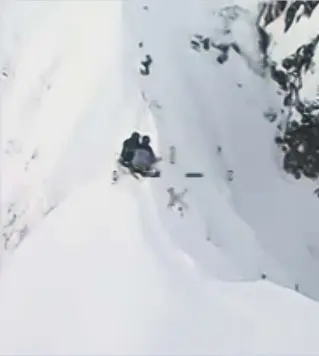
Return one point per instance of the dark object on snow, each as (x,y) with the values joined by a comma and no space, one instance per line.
(271,10)
(138,156)
(222,58)
(299,139)
(135,173)
(206,43)
(140,44)
(177,200)
(264,40)
(194,174)
(145,144)
(270,115)
(301,143)
(129,146)
(230,175)
(279,76)
(148,174)
(115,176)
(146,65)
(291,13)
(144,158)
(236,48)
(200,42)
(172,155)
(195,45)
(155,174)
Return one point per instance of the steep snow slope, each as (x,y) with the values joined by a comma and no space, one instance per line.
(292,52)
(53,93)
(87,284)
(205,105)
(111,269)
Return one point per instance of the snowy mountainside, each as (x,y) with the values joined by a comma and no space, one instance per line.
(113,269)
(41,110)
(126,289)
(292,49)
(285,230)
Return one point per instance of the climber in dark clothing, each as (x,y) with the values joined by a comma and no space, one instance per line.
(145,144)
(129,147)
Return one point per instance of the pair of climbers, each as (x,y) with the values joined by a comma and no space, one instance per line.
(137,154)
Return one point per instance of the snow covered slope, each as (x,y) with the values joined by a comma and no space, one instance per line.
(61,92)
(109,268)
(206,105)
(89,284)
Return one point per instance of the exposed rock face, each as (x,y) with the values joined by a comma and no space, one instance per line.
(228,42)
(293,11)
(300,139)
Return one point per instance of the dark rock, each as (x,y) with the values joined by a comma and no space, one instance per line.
(291,13)
(309,6)
(222,58)
(279,76)
(195,45)
(270,11)
(146,65)
(206,44)
(279,140)
(236,48)
(271,115)
(264,40)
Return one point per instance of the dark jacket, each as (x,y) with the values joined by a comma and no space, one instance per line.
(129,145)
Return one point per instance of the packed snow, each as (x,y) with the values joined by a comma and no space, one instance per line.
(92,267)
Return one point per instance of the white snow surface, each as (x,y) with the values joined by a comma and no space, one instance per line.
(109,269)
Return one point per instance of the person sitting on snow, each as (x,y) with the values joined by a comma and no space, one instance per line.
(128,149)
(144,157)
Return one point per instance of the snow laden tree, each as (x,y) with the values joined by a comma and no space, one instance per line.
(300,139)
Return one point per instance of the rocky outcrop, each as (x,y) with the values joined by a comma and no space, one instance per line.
(292,11)
(300,139)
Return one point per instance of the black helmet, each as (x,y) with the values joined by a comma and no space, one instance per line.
(135,135)
(146,140)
